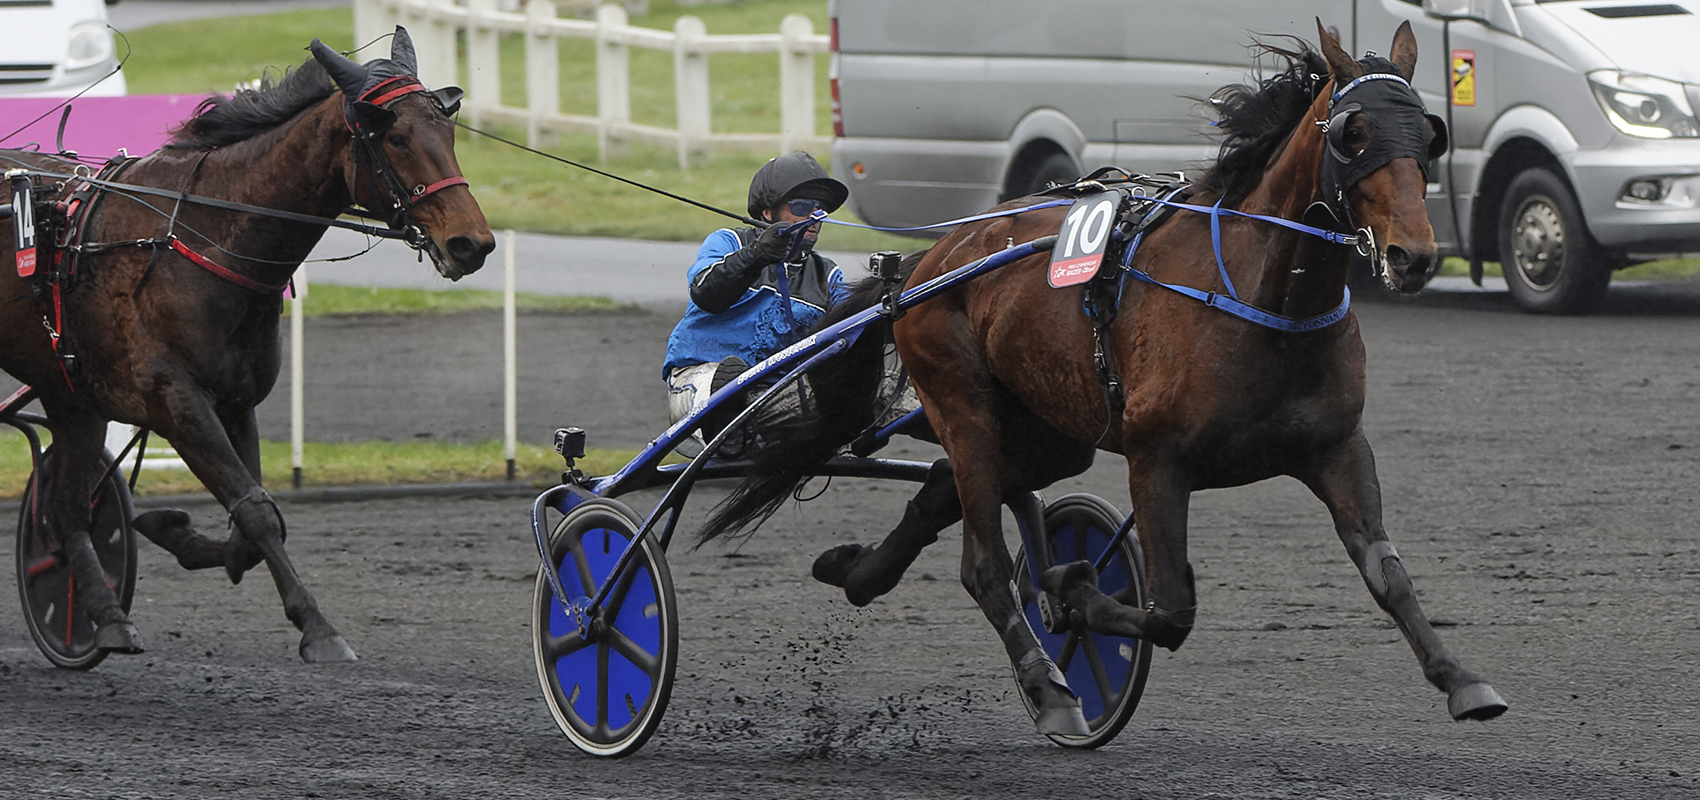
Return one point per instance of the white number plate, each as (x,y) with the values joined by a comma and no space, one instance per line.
(1084,236)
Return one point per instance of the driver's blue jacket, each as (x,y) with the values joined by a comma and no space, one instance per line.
(755,326)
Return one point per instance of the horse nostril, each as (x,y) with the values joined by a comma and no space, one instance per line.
(1398,257)
(467,248)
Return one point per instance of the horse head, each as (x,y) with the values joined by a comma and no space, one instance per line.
(1378,142)
(402,160)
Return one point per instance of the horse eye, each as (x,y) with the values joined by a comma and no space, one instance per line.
(397,140)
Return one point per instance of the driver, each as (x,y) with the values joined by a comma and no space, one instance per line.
(737,314)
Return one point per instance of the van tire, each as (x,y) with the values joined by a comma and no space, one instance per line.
(1053,167)
(1551,263)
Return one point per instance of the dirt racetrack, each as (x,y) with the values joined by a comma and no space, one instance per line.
(1539,477)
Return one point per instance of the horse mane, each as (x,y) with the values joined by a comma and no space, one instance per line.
(1256,120)
(221,120)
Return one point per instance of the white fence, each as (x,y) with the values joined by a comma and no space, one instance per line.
(438,26)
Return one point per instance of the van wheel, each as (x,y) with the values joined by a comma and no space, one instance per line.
(1055,168)
(1550,262)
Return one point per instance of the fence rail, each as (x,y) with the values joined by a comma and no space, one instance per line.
(439,26)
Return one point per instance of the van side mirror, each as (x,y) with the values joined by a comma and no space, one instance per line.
(1455,9)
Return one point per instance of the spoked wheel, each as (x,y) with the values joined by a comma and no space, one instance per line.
(57,621)
(1107,673)
(607,689)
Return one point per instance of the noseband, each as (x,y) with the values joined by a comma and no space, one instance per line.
(369,118)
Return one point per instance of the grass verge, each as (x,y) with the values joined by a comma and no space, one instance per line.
(1662,270)
(339,464)
(522,191)
(326,299)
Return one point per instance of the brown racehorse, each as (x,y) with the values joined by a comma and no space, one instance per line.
(1004,367)
(166,342)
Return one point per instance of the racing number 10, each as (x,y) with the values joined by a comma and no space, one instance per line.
(1080,243)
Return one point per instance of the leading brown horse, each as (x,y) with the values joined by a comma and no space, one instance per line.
(1004,367)
(180,336)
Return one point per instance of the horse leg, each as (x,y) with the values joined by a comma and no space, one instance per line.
(213,452)
(1160,515)
(1346,482)
(79,441)
(868,572)
(173,530)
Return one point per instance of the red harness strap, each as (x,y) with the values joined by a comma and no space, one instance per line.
(421,192)
(207,264)
(382,94)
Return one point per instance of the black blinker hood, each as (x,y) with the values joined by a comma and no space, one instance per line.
(1397,117)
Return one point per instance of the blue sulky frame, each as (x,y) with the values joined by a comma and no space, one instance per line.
(601,726)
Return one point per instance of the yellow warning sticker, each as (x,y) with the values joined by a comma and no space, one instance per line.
(1463,77)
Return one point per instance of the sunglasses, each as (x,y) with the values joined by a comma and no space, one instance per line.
(802,208)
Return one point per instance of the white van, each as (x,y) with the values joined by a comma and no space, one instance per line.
(1576,148)
(57,48)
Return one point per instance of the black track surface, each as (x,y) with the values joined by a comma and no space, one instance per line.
(1538,476)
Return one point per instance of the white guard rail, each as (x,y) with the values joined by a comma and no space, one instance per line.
(437,26)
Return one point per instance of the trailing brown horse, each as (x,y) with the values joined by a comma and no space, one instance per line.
(176,327)
(1004,366)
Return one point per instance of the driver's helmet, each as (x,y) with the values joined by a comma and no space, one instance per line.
(794,176)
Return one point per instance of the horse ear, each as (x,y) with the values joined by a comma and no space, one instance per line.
(1404,52)
(401,51)
(1343,67)
(349,76)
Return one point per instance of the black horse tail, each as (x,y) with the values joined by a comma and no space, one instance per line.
(844,400)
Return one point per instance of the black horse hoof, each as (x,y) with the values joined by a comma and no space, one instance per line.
(833,566)
(330,648)
(118,637)
(171,529)
(1059,579)
(1476,701)
(240,555)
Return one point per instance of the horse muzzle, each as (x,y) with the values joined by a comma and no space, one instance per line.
(459,255)
(1407,270)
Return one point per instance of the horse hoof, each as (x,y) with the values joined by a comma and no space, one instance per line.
(118,637)
(329,649)
(833,566)
(1063,721)
(1476,701)
(1057,580)
(240,555)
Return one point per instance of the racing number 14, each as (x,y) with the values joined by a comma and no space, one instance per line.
(1081,241)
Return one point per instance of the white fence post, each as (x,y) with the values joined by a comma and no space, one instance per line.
(510,355)
(438,66)
(297,376)
(542,68)
(613,75)
(483,62)
(690,86)
(796,83)
(370,21)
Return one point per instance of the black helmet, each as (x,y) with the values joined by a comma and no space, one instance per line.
(793,176)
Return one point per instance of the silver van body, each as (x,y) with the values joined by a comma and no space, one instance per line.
(945,107)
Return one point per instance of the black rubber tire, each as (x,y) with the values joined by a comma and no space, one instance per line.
(590,539)
(1053,167)
(1550,261)
(44,580)
(1079,526)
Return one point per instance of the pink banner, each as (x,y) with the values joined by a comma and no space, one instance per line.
(99,126)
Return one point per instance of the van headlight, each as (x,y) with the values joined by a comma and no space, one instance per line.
(1644,106)
(90,44)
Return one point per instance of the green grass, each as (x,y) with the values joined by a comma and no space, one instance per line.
(325,299)
(523,191)
(1664,270)
(340,464)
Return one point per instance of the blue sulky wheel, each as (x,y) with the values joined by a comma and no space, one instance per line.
(57,622)
(1107,673)
(609,689)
